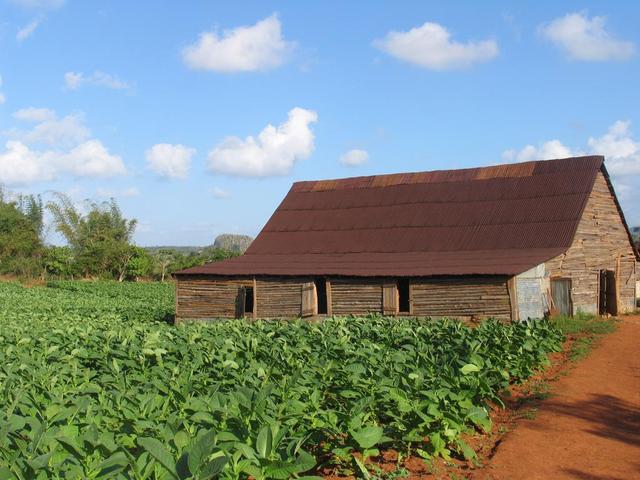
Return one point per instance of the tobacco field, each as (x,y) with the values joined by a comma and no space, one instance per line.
(95,382)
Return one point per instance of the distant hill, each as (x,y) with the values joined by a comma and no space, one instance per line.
(635,231)
(234,243)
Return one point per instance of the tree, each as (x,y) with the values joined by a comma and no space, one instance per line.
(20,235)
(59,261)
(163,258)
(99,239)
(139,265)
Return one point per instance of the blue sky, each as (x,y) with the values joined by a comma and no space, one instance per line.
(153,103)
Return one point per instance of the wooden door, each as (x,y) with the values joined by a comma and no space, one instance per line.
(241,302)
(602,293)
(561,293)
(309,300)
(390,299)
(611,293)
(607,295)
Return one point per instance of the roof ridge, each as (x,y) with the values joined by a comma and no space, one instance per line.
(521,169)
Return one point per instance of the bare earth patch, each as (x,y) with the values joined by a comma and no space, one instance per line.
(590,427)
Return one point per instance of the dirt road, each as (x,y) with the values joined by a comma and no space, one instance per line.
(590,427)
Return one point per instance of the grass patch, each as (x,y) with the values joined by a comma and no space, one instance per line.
(584,329)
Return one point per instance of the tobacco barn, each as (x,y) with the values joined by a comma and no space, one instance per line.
(510,241)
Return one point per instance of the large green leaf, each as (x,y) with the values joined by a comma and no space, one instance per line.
(264,442)
(157,450)
(368,437)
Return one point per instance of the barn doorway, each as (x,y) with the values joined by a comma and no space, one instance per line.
(608,296)
(561,294)
(244,302)
(404,298)
(248,301)
(321,292)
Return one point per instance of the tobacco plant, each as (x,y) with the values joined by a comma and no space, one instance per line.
(94,383)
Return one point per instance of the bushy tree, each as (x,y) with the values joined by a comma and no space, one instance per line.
(20,235)
(100,239)
(140,265)
(59,261)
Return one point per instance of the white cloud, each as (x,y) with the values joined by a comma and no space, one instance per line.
(242,49)
(39,4)
(126,192)
(75,80)
(354,157)
(430,46)
(220,193)
(273,152)
(62,146)
(621,151)
(50,129)
(170,161)
(28,30)
(19,164)
(547,151)
(33,114)
(584,38)
(92,159)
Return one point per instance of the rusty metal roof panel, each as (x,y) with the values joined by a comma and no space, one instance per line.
(498,220)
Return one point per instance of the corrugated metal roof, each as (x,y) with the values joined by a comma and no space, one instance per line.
(495,220)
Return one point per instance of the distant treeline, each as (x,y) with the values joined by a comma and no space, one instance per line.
(98,242)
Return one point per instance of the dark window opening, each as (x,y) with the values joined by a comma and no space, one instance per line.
(248,301)
(321,291)
(404,304)
(607,301)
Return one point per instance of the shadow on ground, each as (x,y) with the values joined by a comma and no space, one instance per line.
(608,417)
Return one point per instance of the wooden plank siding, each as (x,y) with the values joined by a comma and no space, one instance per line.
(600,243)
(203,297)
(279,297)
(357,296)
(213,297)
(479,297)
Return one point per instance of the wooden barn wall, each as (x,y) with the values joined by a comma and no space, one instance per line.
(600,243)
(279,297)
(480,297)
(202,297)
(357,296)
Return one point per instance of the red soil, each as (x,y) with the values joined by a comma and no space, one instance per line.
(590,427)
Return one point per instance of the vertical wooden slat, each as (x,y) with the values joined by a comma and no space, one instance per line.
(329,299)
(255,298)
(411,297)
(513,299)
(309,300)
(176,318)
(611,293)
(390,299)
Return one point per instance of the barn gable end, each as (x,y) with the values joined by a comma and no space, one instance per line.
(601,242)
